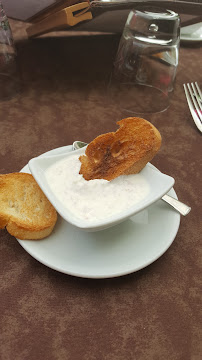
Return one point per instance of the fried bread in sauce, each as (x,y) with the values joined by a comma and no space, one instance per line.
(123,152)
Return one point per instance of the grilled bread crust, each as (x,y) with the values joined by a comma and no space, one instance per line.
(123,152)
(25,211)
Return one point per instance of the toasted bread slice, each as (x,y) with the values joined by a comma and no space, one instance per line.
(123,152)
(24,209)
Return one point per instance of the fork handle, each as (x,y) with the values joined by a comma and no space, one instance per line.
(176,204)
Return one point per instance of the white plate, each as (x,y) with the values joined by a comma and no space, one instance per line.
(120,250)
(191,33)
(159,185)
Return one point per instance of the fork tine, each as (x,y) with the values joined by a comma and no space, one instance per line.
(189,97)
(199,91)
(197,106)
(199,97)
(197,110)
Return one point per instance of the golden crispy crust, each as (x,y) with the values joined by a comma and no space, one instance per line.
(24,209)
(123,152)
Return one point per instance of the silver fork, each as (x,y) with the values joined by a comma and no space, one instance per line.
(194,100)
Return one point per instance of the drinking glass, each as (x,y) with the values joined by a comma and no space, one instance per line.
(9,72)
(146,62)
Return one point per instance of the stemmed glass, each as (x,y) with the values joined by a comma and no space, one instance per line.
(10,82)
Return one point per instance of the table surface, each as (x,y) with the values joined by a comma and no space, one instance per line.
(152,314)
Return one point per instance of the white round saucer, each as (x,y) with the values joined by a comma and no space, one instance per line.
(120,250)
(191,33)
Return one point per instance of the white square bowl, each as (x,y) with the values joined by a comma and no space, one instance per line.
(159,184)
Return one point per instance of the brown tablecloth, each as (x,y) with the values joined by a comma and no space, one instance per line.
(152,314)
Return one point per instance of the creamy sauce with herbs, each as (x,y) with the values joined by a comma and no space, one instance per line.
(94,199)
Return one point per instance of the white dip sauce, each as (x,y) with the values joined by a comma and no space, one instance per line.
(94,199)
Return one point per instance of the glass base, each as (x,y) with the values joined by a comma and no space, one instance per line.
(138,98)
